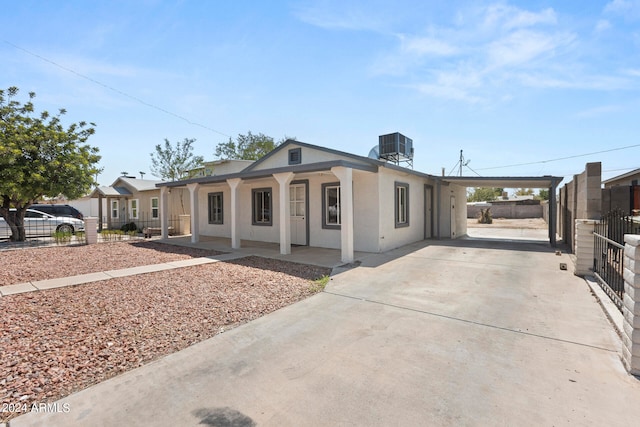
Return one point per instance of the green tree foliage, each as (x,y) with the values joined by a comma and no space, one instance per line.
(174,163)
(39,157)
(247,147)
(483,194)
(543,194)
(524,192)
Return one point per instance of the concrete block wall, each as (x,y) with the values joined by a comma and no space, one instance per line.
(581,198)
(584,247)
(508,211)
(631,305)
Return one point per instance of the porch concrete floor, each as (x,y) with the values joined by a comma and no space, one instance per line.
(301,254)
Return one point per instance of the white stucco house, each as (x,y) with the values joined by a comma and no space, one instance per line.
(302,194)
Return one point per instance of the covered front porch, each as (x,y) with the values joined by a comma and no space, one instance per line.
(238,218)
(323,257)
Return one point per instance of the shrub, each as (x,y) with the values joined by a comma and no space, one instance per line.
(131,226)
(485,216)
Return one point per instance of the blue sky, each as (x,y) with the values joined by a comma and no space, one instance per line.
(510,83)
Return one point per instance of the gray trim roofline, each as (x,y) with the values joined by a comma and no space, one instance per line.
(546,181)
(314,147)
(311,167)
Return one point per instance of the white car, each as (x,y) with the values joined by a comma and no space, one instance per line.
(38,224)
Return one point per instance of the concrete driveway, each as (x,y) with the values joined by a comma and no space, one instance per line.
(466,332)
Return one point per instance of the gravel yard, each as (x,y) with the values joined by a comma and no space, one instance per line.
(56,342)
(26,265)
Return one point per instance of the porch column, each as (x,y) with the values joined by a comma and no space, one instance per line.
(345,175)
(284,179)
(195,213)
(99,213)
(235,234)
(164,212)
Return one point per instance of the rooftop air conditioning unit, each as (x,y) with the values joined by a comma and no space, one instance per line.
(396,148)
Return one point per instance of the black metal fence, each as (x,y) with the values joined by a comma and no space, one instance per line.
(40,231)
(608,260)
(144,221)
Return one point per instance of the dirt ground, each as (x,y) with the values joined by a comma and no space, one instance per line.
(526,223)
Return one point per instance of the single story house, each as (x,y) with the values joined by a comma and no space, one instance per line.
(302,194)
(130,199)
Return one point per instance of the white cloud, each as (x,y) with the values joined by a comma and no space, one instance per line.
(619,6)
(508,17)
(426,46)
(524,46)
(447,92)
(602,25)
(597,111)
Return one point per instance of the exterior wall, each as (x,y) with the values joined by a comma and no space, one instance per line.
(510,210)
(390,236)
(631,305)
(214,230)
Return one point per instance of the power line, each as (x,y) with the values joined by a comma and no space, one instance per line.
(118,91)
(562,158)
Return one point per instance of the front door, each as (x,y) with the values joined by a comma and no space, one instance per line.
(298,206)
(428,211)
(453,217)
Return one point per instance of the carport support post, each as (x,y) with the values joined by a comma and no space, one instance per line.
(284,179)
(235,235)
(631,305)
(553,209)
(164,219)
(345,175)
(195,217)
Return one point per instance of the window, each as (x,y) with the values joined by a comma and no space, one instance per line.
(114,209)
(155,211)
(295,156)
(215,208)
(261,206)
(331,205)
(402,204)
(133,208)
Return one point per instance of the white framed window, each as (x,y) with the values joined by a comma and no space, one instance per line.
(155,208)
(331,217)
(133,208)
(402,204)
(262,206)
(115,209)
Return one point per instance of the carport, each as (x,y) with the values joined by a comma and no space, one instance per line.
(546,182)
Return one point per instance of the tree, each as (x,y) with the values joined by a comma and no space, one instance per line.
(484,194)
(543,194)
(524,192)
(247,147)
(40,158)
(174,163)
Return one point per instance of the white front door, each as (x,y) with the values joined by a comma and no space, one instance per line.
(298,206)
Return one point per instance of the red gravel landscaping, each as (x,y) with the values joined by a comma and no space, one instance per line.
(56,342)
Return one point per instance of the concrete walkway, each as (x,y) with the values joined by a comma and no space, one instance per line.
(82,279)
(465,332)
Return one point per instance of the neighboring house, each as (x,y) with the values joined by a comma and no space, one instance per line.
(220,167)
(622,192)
(130,199)
(303,194)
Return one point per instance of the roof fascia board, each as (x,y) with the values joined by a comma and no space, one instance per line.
(304,168)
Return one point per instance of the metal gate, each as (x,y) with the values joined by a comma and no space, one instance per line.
(609,253)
